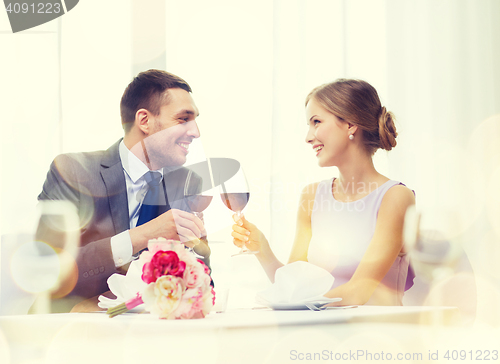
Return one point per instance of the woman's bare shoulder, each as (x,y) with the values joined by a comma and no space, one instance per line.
(307,200)
(399,195)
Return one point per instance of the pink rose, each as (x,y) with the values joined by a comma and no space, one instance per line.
(195,303)
(208,301)
(194,275)
(191,305)
(207,270)
(155,245)
(163,263)
(163,297)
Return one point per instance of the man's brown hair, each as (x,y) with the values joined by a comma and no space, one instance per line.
(147,91)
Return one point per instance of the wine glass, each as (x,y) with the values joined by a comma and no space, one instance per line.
(197,199)
(45,263)
(235,194)
(433,242)
(434,239)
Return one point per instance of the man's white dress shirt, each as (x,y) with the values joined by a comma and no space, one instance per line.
(134,170)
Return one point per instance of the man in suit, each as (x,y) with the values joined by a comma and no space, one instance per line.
(108,187)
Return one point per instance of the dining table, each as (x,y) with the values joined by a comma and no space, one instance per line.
(249,335)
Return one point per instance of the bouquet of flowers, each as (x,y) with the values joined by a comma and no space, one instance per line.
(177,284)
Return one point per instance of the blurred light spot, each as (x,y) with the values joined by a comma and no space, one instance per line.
(458,290)
(35,267)
(484,146)
(493,203)
(488,302)
(488,254)
(457,174)
(68,276)
(4,349)
(86,209)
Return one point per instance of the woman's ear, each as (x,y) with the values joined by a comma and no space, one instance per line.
(352,128)
(142,120)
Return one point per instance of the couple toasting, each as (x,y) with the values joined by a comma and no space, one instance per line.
(347,124)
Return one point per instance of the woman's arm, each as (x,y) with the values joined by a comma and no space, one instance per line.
(247,233)
(386,244)
(303,231)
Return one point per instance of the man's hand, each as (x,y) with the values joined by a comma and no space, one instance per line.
(202,248)
(180,225)
(173,224)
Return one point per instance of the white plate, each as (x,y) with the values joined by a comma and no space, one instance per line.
(299,305)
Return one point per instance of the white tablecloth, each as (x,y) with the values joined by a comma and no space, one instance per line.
(237,336)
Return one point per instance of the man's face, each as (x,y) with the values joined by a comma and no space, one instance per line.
(172,131)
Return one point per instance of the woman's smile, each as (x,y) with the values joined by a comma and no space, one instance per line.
(317,148)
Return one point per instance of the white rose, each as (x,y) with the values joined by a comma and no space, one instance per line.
(163,296)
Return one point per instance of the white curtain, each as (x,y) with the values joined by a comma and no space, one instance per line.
(251,64)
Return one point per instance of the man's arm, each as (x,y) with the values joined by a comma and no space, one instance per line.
(94,258)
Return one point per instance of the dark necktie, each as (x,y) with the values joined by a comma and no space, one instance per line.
(150,208)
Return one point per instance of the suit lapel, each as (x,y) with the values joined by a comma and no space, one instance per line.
(114,180)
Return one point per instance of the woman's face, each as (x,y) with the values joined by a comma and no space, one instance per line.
(328,136)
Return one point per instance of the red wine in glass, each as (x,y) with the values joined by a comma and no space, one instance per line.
(198,203)
(235,195)
(235,201)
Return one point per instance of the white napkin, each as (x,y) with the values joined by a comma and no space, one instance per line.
(124,287)
(296,283)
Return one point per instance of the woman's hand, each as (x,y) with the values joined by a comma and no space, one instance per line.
(246,233)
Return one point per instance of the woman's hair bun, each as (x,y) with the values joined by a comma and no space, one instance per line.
(387,129)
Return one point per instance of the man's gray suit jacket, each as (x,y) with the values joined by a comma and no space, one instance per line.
(95,183)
